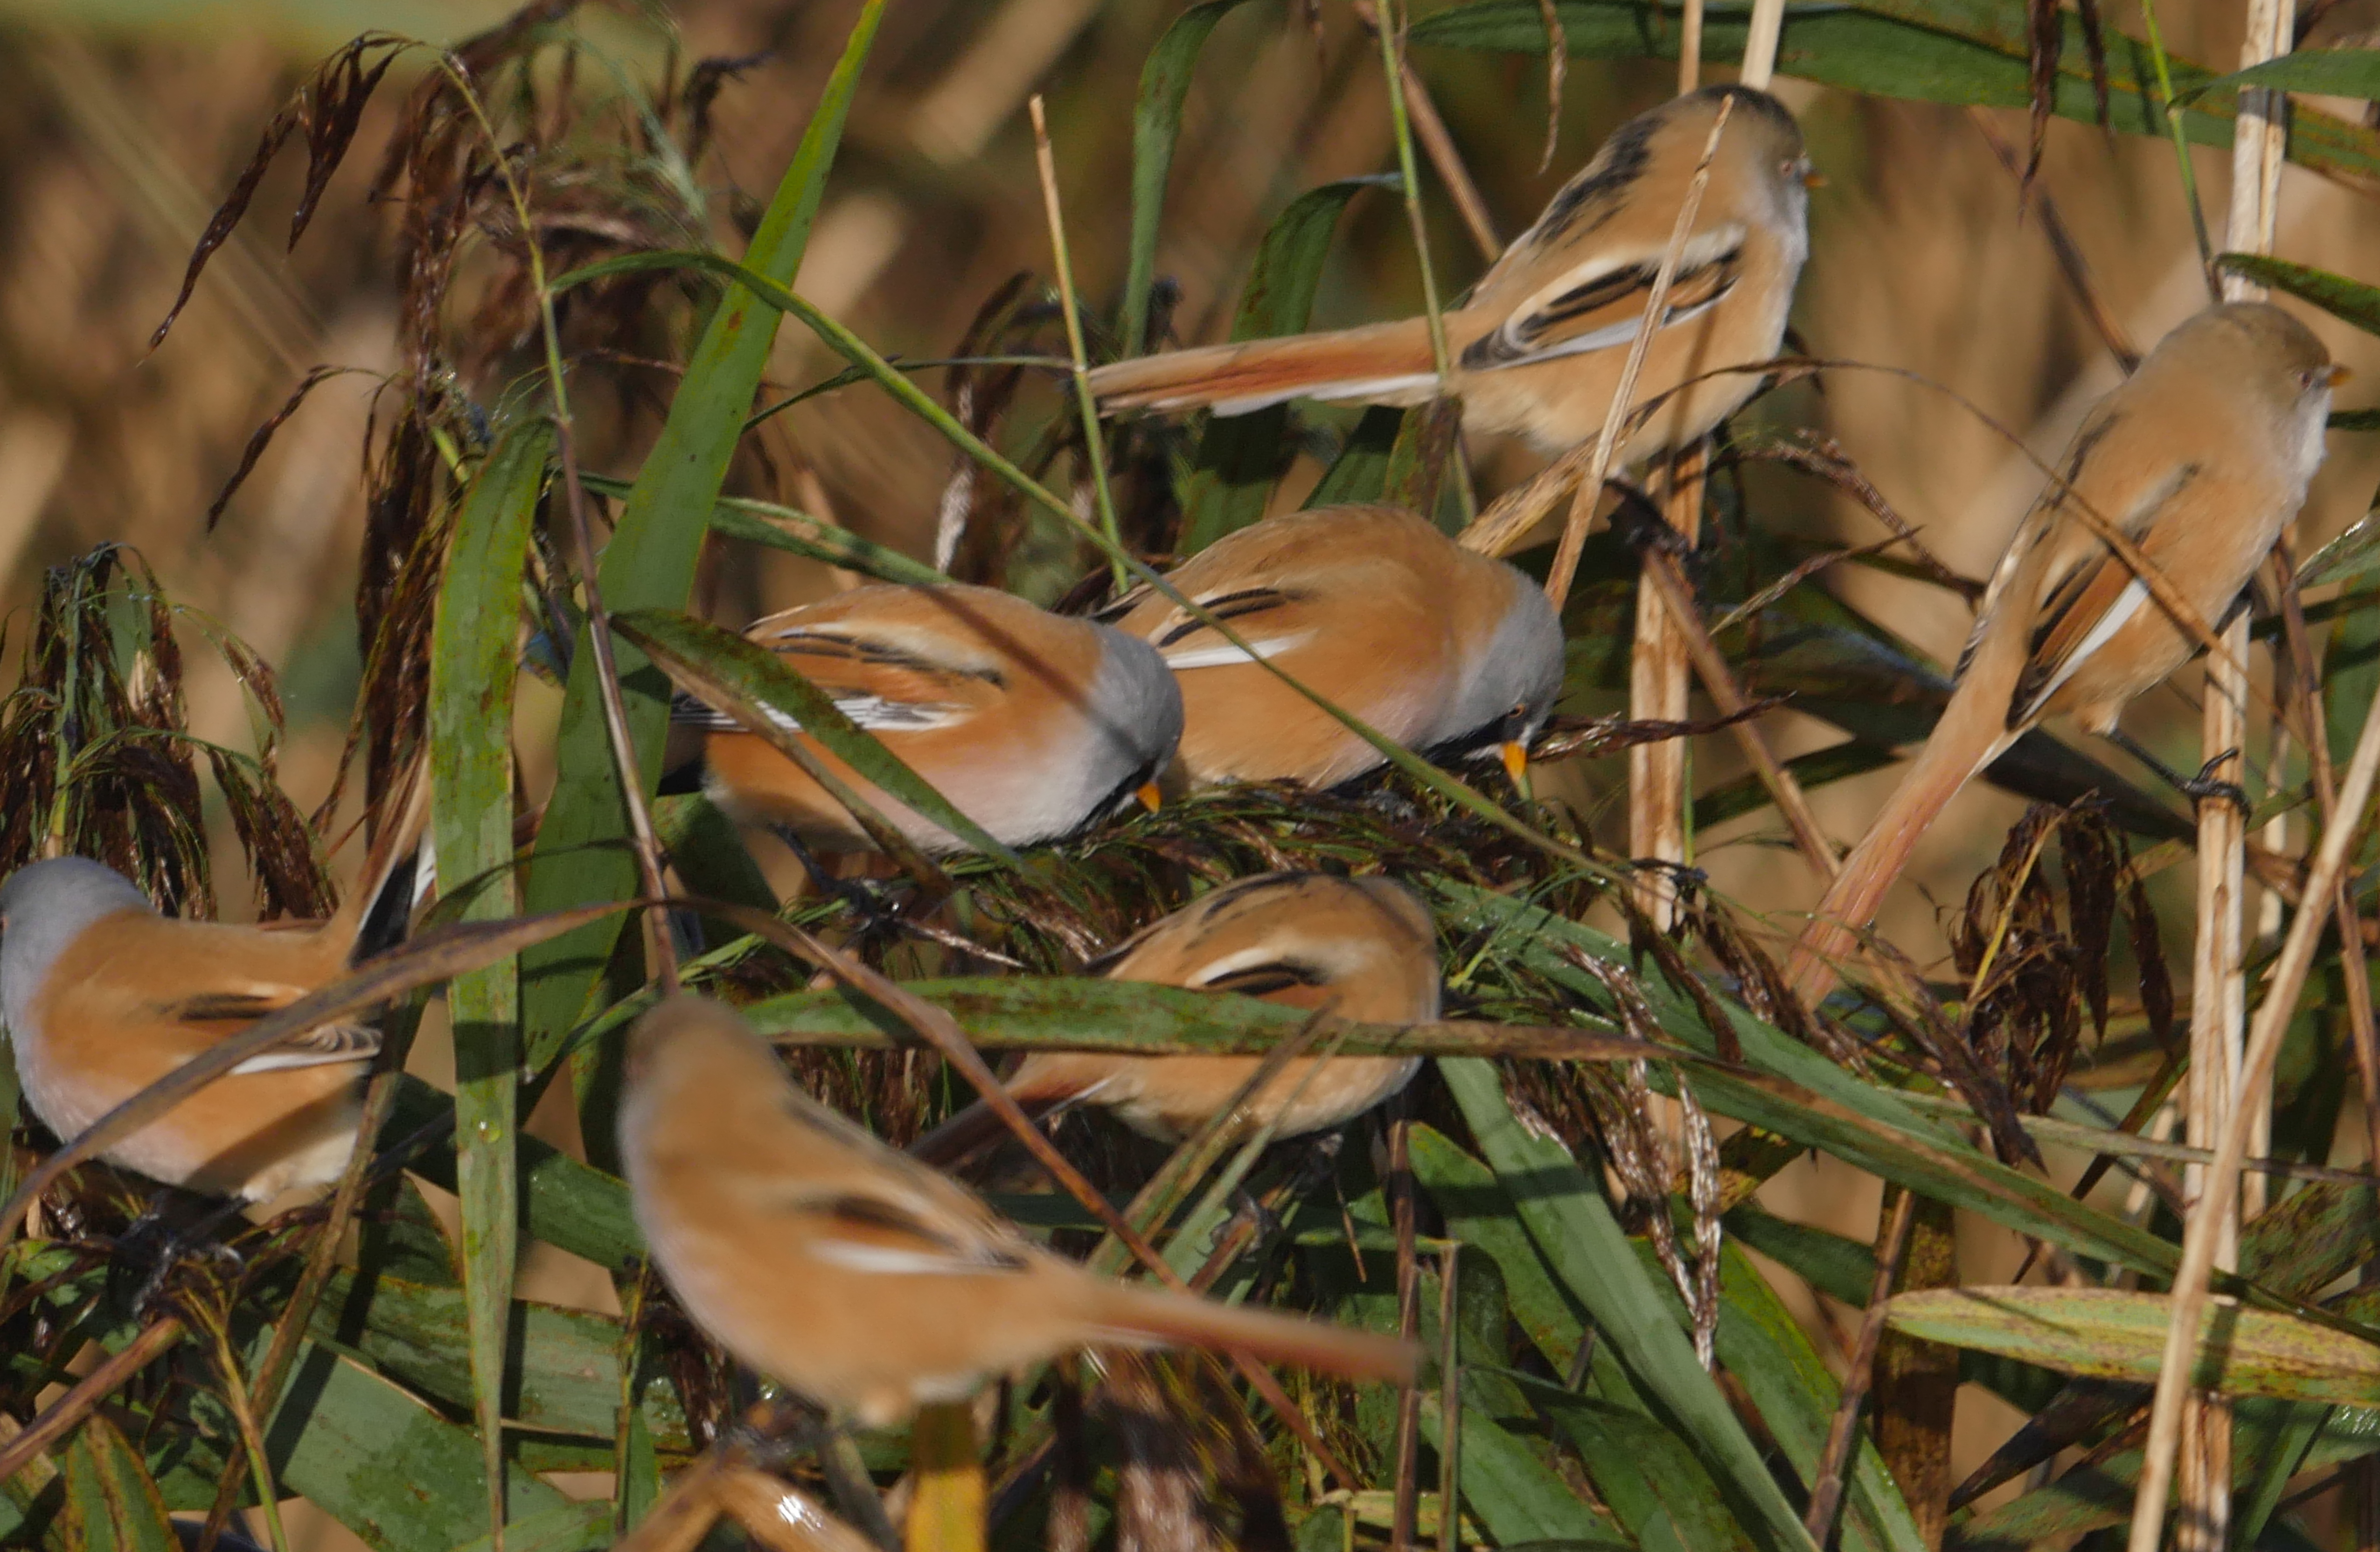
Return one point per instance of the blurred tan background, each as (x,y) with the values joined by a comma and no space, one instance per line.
(121,125)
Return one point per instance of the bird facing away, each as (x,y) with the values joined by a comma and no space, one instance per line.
(1375,610)
(832,1264)
(1536,348)
(1359,949)
(2200,458)
(104,996)
(1031,723)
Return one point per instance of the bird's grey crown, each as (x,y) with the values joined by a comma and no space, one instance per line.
(43,908)
(1137,700)
(1522,666)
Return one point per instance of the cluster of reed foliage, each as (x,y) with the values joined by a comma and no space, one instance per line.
(630,350)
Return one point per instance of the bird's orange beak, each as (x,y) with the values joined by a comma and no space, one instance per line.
(1814,180)
(2340,374)
(1515,756)
(1150,798)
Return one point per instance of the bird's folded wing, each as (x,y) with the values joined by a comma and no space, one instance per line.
(320,1046)
(1267,979)
(2089,601)
(876,688)
(1600,304)
(865,1230)
(1269,619)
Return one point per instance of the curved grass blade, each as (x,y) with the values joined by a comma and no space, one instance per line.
(112,1503)
(1156,124)
(1565,1213)
(2343,72)
(2107,1333)
(473,662)
(1961,52)
(2351,554)
(797,533)
(1655,1485)
(753,682)
(1577,1234)
(1084,1012)
(650,563)
(382,1464)
(567,1377)
(1360,473)
(432,957)
(1515,1497)
(2348,299)
(1239,456)
(569,1206)
(1768,1353)
(1620,1443)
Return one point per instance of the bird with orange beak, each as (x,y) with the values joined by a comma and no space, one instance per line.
(1031,723)
(873,1285)
(1362,950)
(1450,653)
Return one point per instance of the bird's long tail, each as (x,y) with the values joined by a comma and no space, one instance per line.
(1041,1088)
(1147,1314)
(1378,363)
(1965,740)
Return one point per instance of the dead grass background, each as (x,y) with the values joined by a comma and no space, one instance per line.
(122,123)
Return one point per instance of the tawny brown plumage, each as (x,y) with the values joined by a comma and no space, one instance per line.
(1359,949)
(103,997)
(1536,349)
(869,1283)
(1371,608)
(2201,458)
(1033,724)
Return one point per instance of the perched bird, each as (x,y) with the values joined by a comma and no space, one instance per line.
(829,1261)
(104,996)
(1536,349)
(1031,723)
(1446,652)
(1360,948)
(2200,458)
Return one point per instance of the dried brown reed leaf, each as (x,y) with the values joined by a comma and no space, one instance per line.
(1595,737)
(1937,1043)
(1760,982)
(2044,39)
(692,103)
(2032,976)
(261,438)
(2148,956)
(327,108)
(2045,43)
